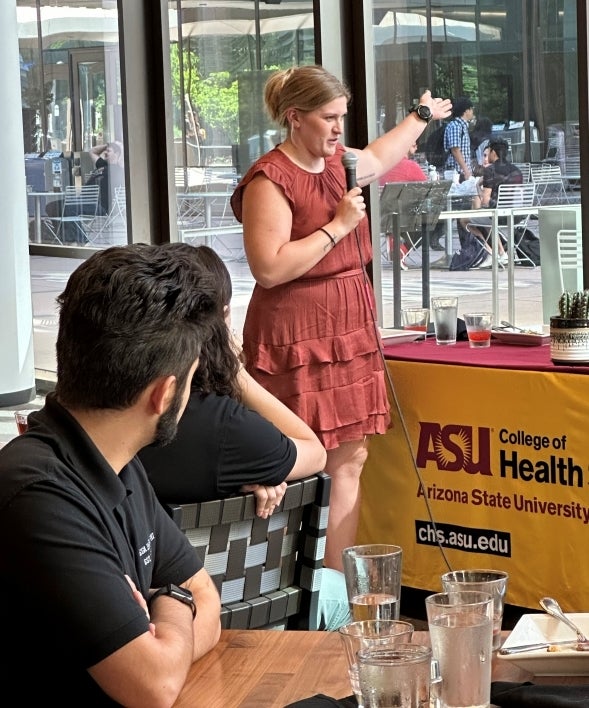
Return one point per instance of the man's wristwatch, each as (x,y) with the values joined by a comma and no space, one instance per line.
(422,111)
(178,593)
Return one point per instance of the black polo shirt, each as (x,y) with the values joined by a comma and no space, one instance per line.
(71,529)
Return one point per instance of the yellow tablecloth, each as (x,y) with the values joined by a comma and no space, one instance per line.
(503,456)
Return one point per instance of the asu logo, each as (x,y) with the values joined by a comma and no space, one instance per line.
(455,448)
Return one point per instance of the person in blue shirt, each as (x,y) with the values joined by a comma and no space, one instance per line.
(457,138)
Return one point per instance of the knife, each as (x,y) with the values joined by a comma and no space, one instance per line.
(543,645)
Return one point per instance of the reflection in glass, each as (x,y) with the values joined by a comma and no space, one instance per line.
(71,101)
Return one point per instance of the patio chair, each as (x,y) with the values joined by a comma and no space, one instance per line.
(570,257)
(509,197)
(550,187)
(268,571)
(517,196)
(79,208)
(525,169)
(116,219)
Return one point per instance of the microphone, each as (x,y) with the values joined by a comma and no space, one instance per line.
(349,160)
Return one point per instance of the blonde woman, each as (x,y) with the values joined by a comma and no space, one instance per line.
(309,335)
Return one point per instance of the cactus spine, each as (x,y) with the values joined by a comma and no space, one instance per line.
(574,306)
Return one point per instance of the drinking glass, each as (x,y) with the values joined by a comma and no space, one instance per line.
(492,581)
(445,317)
(370,633)
(478,328)
(461,633)
(22,421)
(415,318)
(395,676)
(373,580)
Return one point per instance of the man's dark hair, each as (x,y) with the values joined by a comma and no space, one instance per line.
(460,105)
(500,147)
(128,315)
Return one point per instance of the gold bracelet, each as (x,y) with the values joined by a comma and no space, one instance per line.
(329,236)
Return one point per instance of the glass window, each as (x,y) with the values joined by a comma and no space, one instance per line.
(220,55)
(507,58)
(72,123)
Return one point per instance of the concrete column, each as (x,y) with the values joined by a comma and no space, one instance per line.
(17,369)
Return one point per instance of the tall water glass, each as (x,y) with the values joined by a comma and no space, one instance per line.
(373,580)
(461,633)
(381,634)
(492,581)
(445,317)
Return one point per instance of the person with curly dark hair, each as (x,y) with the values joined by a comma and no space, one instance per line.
(234,436)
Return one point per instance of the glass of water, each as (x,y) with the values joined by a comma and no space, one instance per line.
(371,633)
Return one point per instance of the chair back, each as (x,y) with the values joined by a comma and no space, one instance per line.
(550,187)
(83,201)
(514,196)
(570,256)
(268,571)
(546,172)
(525,169)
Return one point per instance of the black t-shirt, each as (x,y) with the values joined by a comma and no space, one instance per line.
(108,176)
(71,529)
(220,446)
(500,173)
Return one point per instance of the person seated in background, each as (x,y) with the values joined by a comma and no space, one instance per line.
(95,575)
(499,171)
(108,173)
(236,437)
(407,170)
(464,231)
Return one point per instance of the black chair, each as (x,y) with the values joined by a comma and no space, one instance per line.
(268,571)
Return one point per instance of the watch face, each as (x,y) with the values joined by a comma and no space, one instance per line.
(424,112)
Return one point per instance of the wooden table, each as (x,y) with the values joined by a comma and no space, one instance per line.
(272,668)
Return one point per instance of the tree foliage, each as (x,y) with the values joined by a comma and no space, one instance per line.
(213,97)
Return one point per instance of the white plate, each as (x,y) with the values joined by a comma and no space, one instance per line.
(521,338)
(398,336)
(533,629)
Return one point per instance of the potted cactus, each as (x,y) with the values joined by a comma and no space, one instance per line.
(569,330)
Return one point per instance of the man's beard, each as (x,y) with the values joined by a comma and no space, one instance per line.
(167,425)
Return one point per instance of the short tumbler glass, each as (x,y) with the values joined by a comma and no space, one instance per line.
(395,676)
(371,633)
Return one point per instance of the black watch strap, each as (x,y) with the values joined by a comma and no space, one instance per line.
(181,594)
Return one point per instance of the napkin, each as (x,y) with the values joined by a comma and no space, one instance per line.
(530,695)
(321,701)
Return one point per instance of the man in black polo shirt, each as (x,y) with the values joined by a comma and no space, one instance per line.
(99,588)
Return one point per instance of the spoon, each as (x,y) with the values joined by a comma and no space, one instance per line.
(551,606)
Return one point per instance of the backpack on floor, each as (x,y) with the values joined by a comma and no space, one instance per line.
(470,255)
(529,246)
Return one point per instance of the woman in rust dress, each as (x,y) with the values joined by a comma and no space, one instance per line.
(309,335)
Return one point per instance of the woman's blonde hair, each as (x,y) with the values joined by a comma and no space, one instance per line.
(303,87)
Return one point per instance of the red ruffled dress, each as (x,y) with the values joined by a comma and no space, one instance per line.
(312,342)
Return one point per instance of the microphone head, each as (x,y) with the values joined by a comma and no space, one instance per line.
(349,160)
